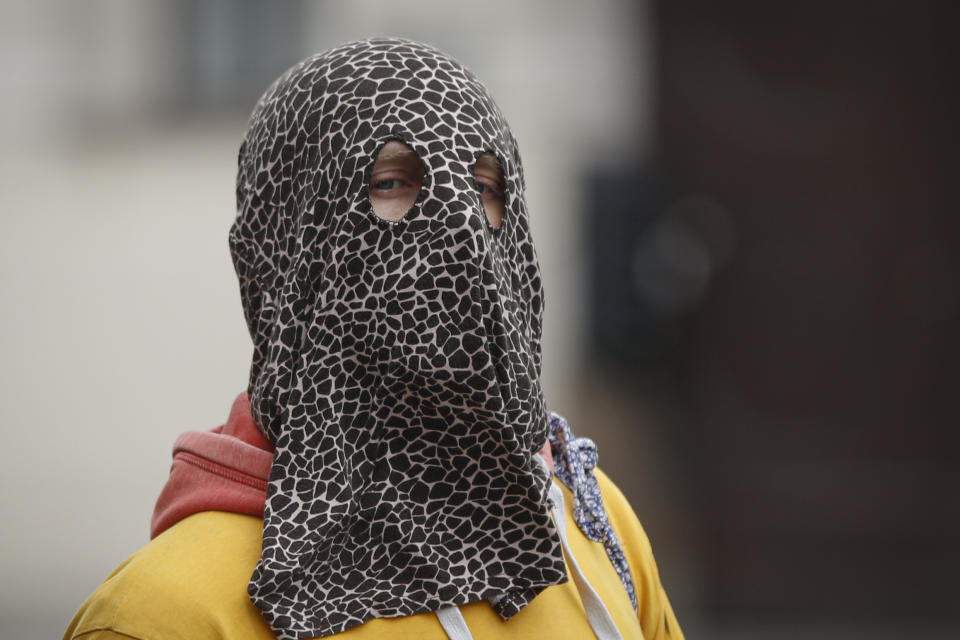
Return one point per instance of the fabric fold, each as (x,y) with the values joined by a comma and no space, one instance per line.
(225,469)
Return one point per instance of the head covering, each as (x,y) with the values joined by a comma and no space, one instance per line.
(396,366)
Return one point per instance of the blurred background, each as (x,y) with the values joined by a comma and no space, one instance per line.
(746,214)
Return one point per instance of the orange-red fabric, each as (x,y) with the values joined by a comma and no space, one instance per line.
(224,469)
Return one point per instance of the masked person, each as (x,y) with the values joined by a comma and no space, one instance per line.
(394,438)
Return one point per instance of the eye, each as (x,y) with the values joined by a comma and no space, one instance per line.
(490,183)
(395,181)
(489,189)
(386,185)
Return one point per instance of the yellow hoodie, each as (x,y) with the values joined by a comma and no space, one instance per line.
(191,582)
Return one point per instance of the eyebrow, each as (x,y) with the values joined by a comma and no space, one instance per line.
(391,154)
(489,160)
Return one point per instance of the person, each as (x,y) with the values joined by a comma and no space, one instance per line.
(392,469)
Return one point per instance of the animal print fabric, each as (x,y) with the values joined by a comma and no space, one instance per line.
(396,366)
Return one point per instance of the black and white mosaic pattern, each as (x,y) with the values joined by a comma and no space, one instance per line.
(396,365)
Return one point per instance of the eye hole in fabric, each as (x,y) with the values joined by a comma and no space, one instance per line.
(492,187)
(395,181)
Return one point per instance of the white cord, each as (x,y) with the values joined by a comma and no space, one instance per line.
(600,620)
(451,619)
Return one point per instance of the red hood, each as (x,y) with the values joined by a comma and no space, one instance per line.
(224,469)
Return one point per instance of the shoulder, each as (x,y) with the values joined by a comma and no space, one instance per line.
(199,568)
(604,515)
(653,607)
(624,520)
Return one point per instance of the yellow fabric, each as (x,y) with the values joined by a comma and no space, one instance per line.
(191,582)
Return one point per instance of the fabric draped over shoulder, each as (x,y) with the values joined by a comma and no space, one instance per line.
(396,366)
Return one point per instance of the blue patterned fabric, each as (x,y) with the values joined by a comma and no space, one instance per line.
(574,460)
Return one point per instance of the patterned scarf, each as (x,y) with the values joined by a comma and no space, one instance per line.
(396,366)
